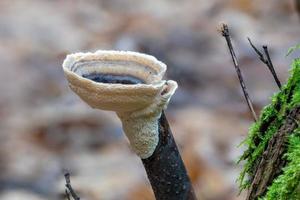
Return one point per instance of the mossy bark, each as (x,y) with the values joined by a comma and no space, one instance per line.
(272,160)
(269,165)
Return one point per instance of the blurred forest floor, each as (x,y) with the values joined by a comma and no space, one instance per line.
(45,128)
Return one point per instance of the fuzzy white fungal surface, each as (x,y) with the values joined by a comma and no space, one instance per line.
(139,106)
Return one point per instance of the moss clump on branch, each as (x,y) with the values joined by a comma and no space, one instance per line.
(271,119)
(287,186)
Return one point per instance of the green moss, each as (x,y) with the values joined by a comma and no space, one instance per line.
(270,120)
(292,49)
(287,185)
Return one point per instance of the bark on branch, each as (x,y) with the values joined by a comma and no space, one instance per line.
(166,170)
(272,161)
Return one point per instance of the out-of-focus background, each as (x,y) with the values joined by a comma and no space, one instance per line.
(45,128)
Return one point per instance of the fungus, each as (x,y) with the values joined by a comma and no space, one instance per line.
(131,84)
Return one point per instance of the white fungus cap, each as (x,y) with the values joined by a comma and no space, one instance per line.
(137,105)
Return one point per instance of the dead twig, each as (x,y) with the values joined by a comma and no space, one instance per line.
(225,33)
(67,194)
(69,190)
(266,59)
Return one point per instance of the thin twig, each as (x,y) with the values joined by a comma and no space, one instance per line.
(271,67)
(261,56)
(267,61)
(69,189)
(225,33)
(67,194)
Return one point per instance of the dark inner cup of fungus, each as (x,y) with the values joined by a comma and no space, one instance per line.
(114,79)
(122,72)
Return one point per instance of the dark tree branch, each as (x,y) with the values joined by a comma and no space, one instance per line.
(69,190)
(165,168)
(267,61)
(225,33)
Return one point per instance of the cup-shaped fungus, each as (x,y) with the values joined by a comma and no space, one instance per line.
(128,83)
